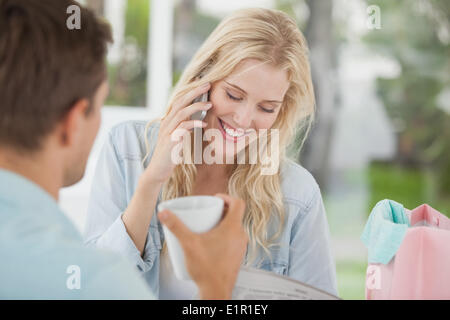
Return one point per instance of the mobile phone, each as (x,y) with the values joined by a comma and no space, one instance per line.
(200,115)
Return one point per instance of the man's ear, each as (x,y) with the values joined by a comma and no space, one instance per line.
(72,122)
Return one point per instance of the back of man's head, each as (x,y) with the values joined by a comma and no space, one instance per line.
(46,67)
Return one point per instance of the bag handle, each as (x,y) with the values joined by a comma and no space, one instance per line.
(431,216)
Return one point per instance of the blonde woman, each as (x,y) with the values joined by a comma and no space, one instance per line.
(255,67)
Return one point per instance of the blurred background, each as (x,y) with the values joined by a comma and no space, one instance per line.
(381,72)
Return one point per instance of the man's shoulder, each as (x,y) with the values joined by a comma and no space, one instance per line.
(62,268)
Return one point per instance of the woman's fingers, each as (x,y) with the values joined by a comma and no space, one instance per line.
(184,127)
(190,124)
(182,103)
(185,113)
(187,99)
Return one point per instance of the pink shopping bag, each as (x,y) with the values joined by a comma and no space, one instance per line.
(420,268)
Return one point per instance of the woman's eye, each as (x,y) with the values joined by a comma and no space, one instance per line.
(239,99)
(233,97)
(267,110)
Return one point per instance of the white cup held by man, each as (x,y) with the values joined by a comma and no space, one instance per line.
(200,214)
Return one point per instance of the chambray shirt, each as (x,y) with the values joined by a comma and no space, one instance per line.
(42,255)
(304,246)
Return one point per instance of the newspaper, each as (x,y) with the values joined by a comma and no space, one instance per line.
(256,284)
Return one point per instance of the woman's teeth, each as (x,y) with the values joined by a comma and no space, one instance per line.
(232,132)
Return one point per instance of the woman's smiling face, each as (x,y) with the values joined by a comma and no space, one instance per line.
(248,99)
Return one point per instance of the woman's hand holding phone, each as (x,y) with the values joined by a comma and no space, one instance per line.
(140,210)
(161,164)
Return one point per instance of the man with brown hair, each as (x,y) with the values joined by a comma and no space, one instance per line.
(52,85)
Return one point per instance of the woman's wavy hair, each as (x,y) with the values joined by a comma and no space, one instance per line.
(272,37)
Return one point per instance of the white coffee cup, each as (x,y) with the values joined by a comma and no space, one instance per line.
(199,214)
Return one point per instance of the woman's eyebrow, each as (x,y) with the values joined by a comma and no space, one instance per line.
(235,86)
(240,89)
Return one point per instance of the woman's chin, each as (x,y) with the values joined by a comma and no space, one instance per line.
(222,154)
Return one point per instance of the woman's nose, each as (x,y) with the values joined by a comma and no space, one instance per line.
(243,117)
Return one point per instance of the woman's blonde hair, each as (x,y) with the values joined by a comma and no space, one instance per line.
(272,37)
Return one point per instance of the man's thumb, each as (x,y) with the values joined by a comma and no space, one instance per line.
(174,224)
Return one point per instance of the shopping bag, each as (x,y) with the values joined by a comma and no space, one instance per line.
(419,243)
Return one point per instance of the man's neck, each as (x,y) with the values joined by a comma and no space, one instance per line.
(37,167)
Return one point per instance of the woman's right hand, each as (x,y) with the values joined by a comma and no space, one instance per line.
(142,205)
(161,165)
